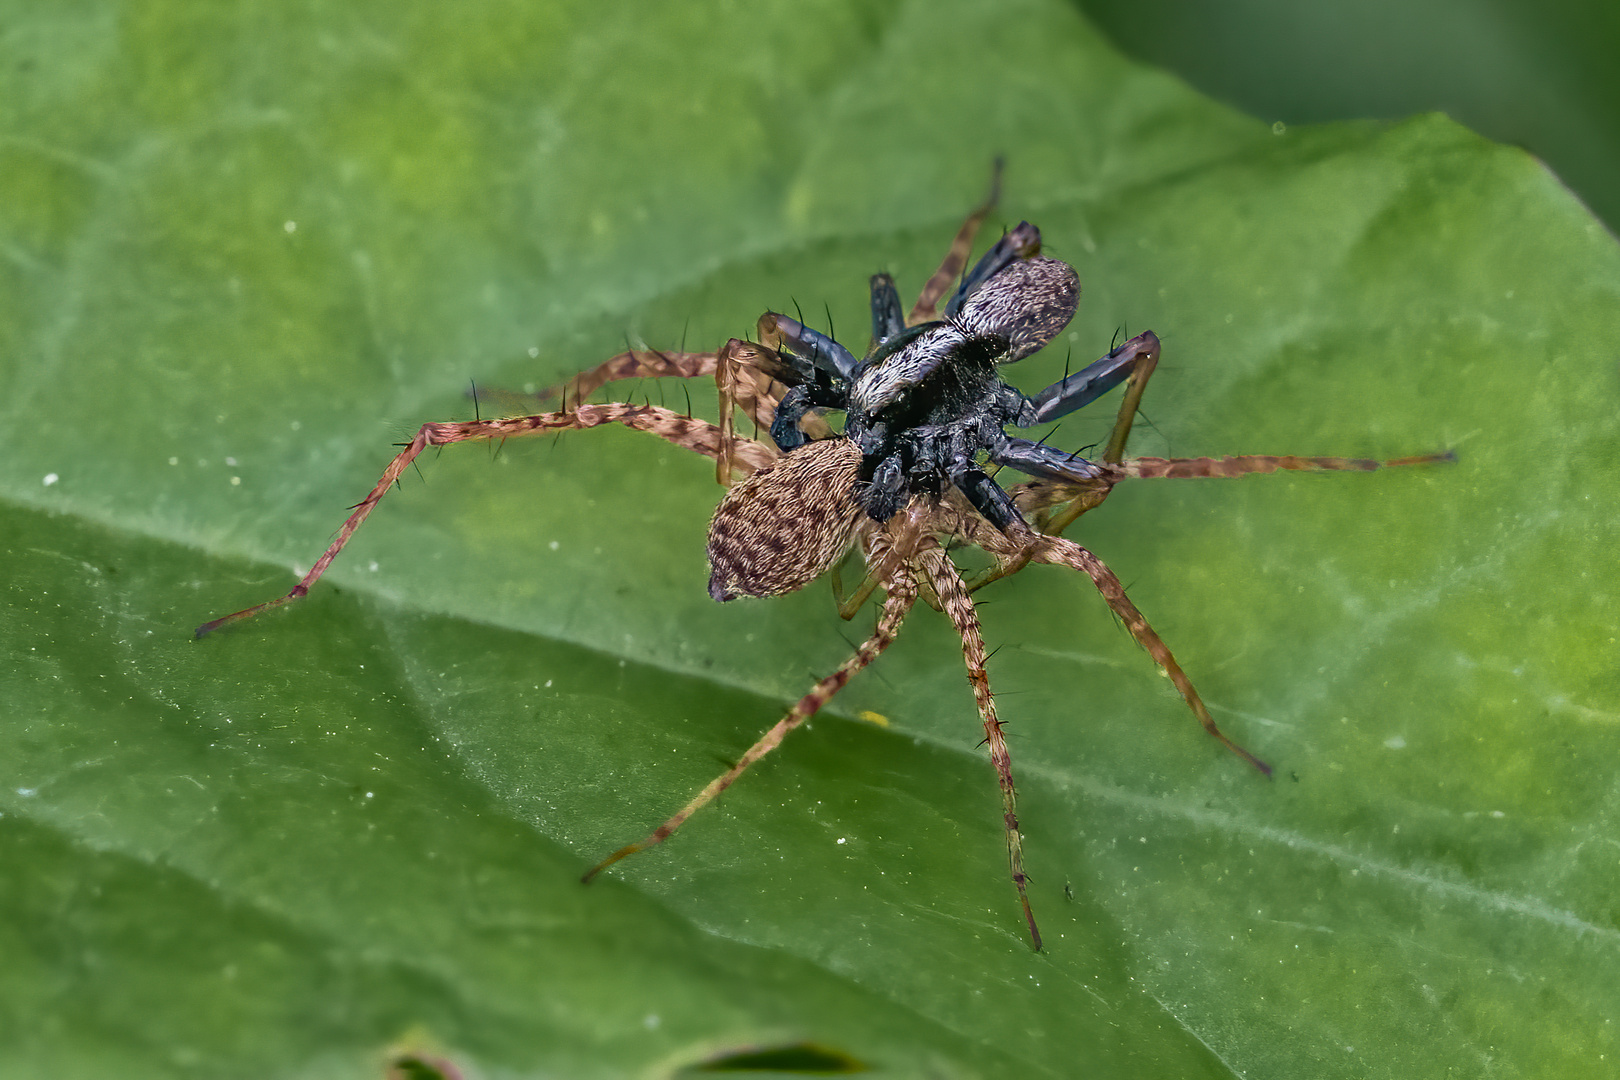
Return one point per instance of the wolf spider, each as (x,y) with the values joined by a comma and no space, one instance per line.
(901,482)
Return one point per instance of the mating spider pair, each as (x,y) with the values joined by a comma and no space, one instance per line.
(901,481)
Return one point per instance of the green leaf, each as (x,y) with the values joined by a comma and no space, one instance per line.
(247,248)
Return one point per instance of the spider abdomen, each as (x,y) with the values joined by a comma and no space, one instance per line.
(786,524)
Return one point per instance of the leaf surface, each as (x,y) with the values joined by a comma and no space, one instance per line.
(247,248)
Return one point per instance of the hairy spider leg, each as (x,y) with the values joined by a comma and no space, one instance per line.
(696,435)
(849,605)
(1142,354)
(1082,494)
(1134,361)
(1058,551)
(852,603)
(1147,362)
(958,605)
(634,364)
(1022,545)
(725,381)
(757,395)
(902,594)
(748,376)
(1150,468)
(926,309)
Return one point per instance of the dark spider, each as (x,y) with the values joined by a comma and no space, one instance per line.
(903,479)
(926,401)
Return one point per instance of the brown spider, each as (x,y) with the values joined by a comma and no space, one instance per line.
(901,482)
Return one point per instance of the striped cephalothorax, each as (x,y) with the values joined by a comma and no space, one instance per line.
(910,472)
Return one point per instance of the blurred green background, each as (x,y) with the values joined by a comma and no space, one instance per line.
(1542,75)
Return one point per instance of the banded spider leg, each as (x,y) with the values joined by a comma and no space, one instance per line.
(696,435)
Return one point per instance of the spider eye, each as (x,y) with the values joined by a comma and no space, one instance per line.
(1028,303)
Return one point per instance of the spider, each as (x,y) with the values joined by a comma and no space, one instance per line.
(907,477)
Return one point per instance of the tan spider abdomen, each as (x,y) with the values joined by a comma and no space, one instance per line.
(787,524)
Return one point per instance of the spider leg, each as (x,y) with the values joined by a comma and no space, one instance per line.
(727,377)
(1055,503)
(634,364)
(1136,360)
(902,594)
(820,368)
(958,605)
(1147,361)
(756,396)
(1056,550)
(927,306)
(849,604)
(998,512)
(887,317)
(796,421)
(1245,464)
(987,496)
(1039,459)
(817,352)
(1022,242)
(755,379)
(760,379)
(883,564)
(1083,484)
(697,435)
